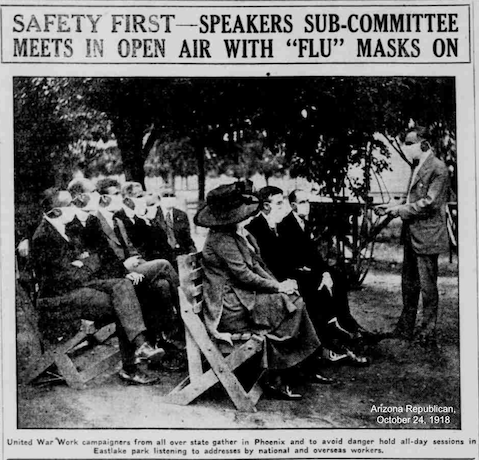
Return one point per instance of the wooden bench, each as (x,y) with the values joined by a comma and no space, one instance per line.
(210,361)
(76,371)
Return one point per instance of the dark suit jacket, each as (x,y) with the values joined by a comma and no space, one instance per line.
(53,256)
(181,229)
(93,239)
(424,216)
(269,244)
(150,243)
(299,248)
(117,238)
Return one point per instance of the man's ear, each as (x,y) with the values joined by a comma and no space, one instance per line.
(127,201)
(54,213)
(105,201)
(425,146)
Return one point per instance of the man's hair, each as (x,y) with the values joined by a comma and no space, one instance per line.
(168,194)
(265,193)
(78,186)
(292,197)
(423,136)
(51,198)
(103,185)
(421,132)
(80,201)
(128,187)
(104,201)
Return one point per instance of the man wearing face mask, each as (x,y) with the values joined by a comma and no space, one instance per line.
(324,289)
(264,229)
(145,237)
(73,285)
(424,236)
(142,250)
(174,223)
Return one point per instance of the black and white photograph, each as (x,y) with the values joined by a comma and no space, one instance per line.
(239,229)
(310,225)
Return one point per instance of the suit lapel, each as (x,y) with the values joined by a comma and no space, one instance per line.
(423,170)
(107,230)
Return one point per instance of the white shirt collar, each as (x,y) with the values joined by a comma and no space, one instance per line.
(167,211)
(129,213)
(299,219)
(151,211)
(269,220)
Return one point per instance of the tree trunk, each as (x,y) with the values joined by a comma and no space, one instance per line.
(129,139)
(200,161)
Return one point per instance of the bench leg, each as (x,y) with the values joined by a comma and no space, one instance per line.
(49,358)
(187,391)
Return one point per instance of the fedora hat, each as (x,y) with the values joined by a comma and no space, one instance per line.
(227,205)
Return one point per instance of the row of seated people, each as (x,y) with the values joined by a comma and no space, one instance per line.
(263,273)
(93,239)
(98,255)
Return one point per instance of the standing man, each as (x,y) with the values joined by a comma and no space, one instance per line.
(424,236)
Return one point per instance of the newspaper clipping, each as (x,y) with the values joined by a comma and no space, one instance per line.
(238,229)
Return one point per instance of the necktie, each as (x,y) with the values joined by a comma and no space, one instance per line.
(411,177)
(170,233)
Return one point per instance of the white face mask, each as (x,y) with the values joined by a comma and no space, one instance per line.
(116,203)
(140,206)
(412,151)
(68,213)
(277,209)
(168,202)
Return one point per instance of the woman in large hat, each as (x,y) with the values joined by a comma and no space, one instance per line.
(242,295)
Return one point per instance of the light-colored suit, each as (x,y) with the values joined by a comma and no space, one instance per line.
(424,215)
(424,237)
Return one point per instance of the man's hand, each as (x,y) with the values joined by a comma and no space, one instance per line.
(326,282)
(135,278)
(23,248)
(132,262)
(383,209)
(304,269)
(77,263)
(288,287)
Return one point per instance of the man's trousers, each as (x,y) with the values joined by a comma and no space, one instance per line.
(101,301)
(419,277)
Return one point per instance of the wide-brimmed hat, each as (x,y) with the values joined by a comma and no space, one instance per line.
(227,205)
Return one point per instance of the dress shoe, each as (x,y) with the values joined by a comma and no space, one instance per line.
(282,392)
(147,353)
(331,357)
(321,379)
(355,360)
(137,377)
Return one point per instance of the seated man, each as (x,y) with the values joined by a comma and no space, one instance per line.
(174,223)
(150,242)
(156,281)
(291,254)
(68,274)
